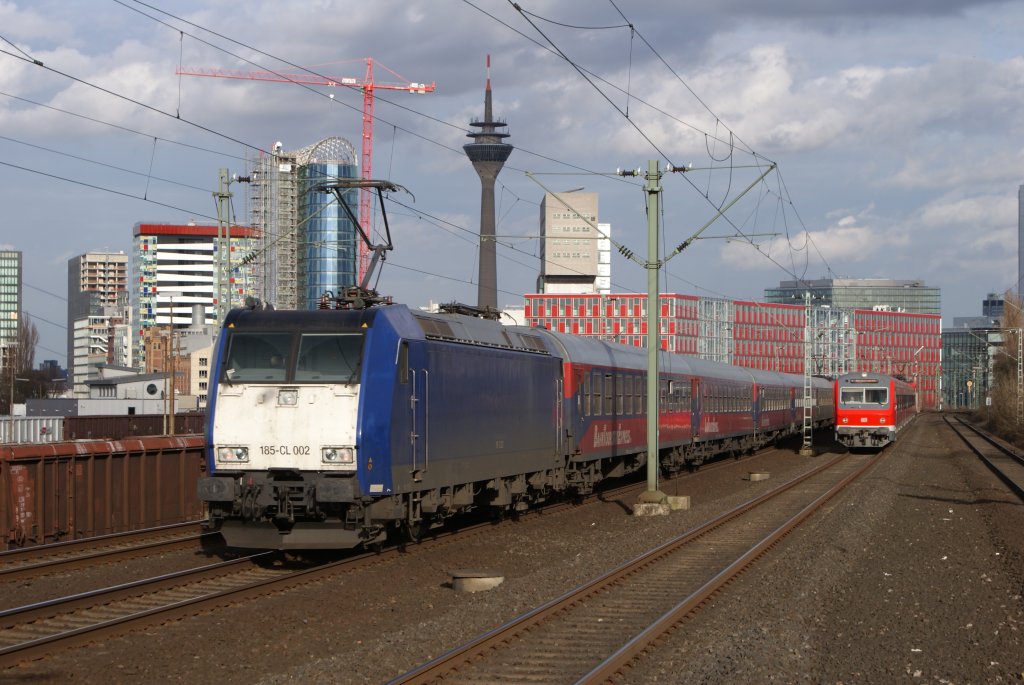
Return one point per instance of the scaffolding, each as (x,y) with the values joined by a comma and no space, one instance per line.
(715,322)
(274,213)
(833,342)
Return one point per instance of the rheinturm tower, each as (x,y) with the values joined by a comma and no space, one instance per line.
(488,153)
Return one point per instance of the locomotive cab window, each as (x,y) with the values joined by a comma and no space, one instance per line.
(329,357)
(864,395)
(256,356)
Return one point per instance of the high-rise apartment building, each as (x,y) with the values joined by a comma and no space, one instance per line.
(307,243)
(10,308)
(910,296)
(99,319)
(10,295)
(173,270)
(575,250)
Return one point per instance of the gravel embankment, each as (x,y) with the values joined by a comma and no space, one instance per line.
(926,554)
(916,575)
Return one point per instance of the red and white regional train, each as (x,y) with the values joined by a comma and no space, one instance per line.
(872,408)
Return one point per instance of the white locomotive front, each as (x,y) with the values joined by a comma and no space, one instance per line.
(283,433)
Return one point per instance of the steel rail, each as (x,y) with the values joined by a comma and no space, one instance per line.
(60,557)
(1004,461)
(34,614)
(444,667)
(76,636)
(636,647)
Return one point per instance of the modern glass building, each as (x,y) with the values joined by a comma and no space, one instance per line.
(861,293)
(308,243)
(328,241)
(968,356)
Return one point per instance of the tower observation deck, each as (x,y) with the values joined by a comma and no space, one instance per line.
(488,153)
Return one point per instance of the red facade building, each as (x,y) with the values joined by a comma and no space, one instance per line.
(759,335)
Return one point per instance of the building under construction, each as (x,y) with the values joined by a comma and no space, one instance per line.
(308,245)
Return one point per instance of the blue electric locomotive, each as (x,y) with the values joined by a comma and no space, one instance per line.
(327,428)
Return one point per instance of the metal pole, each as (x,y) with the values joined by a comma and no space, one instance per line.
(170,368)
(10,406)
(223,263)
(653,188)
(8,349)
(174,373)
(807,449)
(1020,376)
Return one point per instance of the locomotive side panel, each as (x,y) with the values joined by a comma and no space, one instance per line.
(473,414)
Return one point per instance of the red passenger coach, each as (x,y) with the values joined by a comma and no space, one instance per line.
(872,408)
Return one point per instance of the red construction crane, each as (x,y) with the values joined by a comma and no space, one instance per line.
(366,85)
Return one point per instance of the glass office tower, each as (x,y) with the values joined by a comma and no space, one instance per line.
(329,240)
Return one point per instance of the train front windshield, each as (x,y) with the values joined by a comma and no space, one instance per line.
(879,396)
(281,357)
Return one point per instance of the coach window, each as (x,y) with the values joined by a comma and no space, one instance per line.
(876,395)
(627,393)
(609,389)
(586,394)
(619,403)
(596,396)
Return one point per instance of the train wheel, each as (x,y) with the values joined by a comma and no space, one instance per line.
(415,530)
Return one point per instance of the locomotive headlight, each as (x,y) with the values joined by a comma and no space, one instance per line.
(338,455)
(288,398)
(846,419)
(232,455)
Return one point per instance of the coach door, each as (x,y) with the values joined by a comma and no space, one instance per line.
(695,407)
(417,380)
(563,437)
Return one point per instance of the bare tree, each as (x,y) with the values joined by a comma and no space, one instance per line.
(17,365)
(28,338)
(1003,417)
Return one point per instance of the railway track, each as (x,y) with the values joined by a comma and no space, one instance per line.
(595,631)
(33,631)
(1003,460)
(32,562)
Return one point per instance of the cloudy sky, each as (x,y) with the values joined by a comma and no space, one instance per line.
(897,129)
